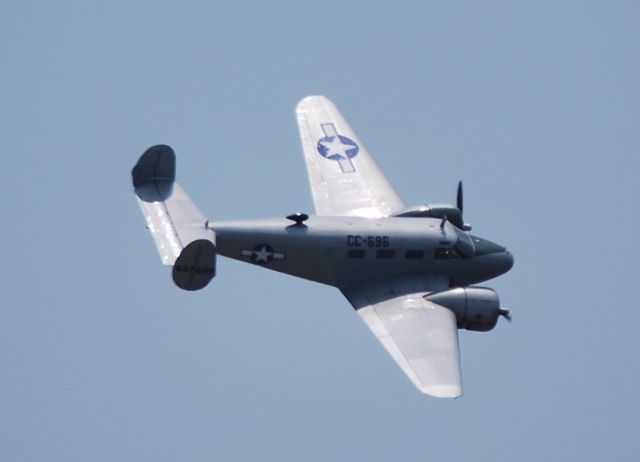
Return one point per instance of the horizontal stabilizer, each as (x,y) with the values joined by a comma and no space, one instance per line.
(173,220)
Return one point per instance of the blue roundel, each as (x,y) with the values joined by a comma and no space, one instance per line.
(337,147)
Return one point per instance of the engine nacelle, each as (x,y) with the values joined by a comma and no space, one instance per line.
(476,308)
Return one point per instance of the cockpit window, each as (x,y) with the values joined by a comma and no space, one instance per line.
(446,253)
(464,244)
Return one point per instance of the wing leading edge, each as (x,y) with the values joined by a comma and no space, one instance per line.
(421,337)
(344,178)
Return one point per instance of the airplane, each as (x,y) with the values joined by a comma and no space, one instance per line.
(409,272)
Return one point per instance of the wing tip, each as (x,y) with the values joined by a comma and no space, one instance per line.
(310,101)
(442,391)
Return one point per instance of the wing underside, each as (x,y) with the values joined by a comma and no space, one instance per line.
(344,178)
(421,337)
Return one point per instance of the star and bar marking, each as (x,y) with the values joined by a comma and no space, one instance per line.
(337,147)
(263,254)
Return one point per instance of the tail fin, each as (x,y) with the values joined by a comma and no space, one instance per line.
(177,226)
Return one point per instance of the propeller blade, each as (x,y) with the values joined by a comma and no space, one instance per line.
(505,312)
(459,197)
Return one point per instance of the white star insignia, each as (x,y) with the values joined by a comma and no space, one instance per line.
(336,147)
(262,255)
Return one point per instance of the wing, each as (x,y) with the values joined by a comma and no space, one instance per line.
(344,178)
(420,336)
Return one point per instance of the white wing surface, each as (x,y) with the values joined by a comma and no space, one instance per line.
(420,336)
(344,178)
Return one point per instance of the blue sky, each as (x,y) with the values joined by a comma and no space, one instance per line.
(536,107)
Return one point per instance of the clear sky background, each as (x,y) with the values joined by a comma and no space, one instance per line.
(535,106)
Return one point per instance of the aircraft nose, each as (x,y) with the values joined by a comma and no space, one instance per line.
(506,260)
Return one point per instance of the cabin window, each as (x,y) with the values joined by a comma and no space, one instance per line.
(385,253)
(356,253)
(414,254)
(446,253)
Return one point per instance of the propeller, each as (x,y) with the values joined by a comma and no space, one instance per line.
(505,312)
(459,198)
(460,204)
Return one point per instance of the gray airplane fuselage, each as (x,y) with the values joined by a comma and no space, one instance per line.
(345,251)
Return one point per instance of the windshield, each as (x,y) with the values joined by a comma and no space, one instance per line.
(464,244)
(485,247)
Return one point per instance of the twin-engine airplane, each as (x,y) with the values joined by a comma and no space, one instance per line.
(407,271)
